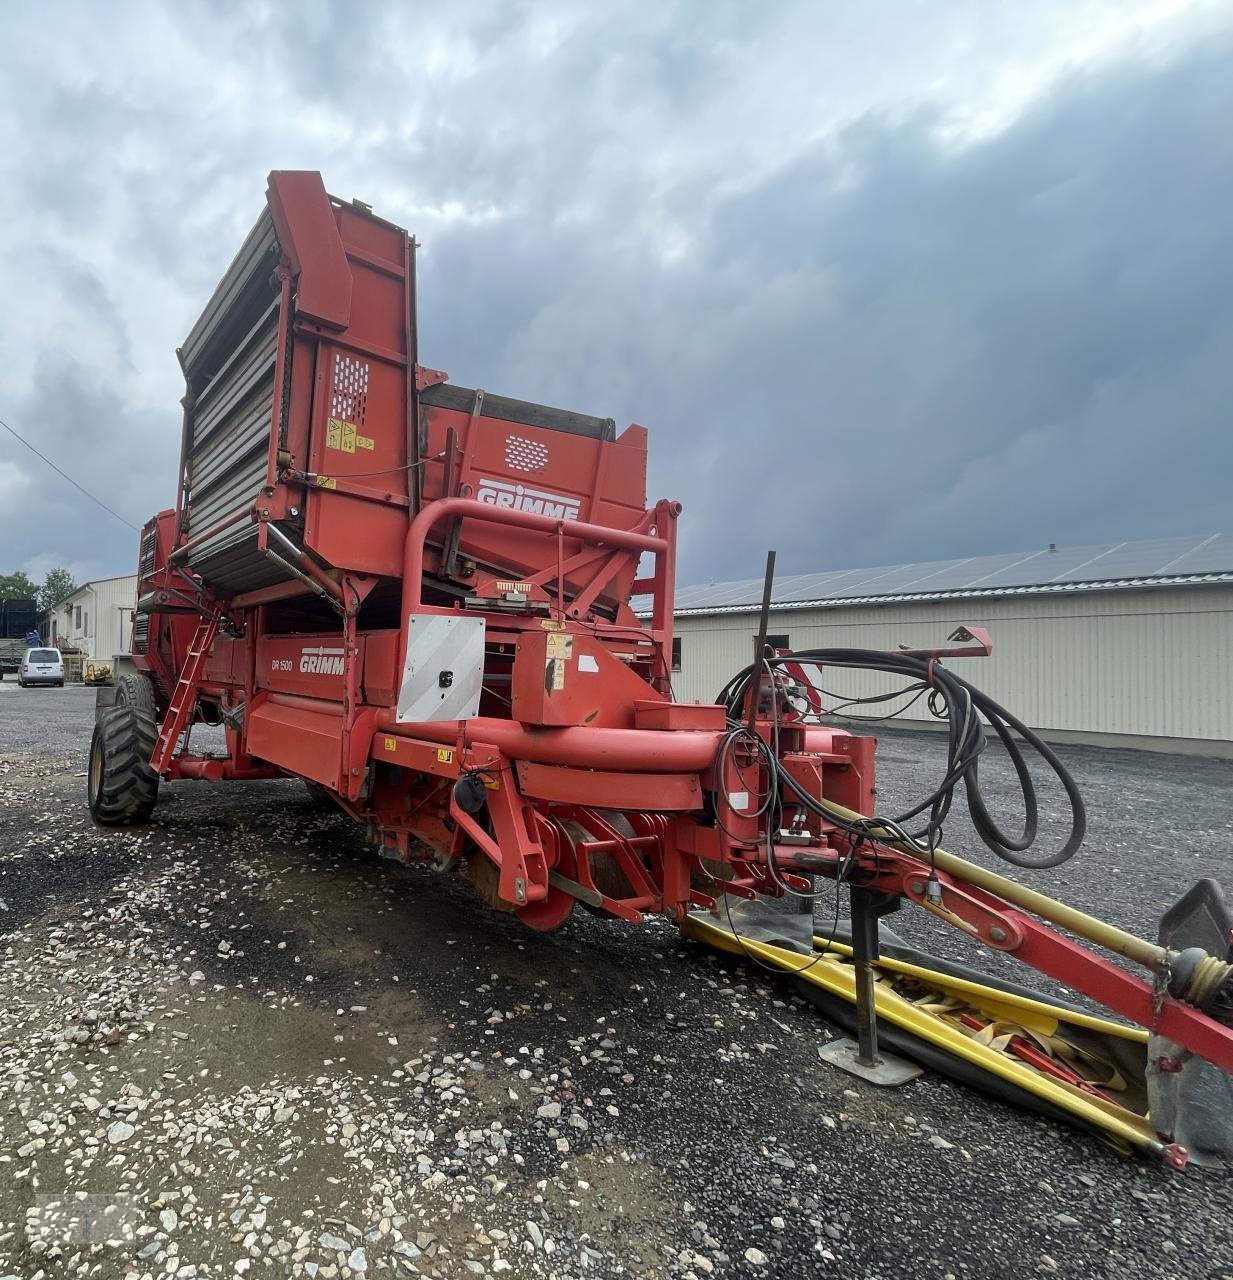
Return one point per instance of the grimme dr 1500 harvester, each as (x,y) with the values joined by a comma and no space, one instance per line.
(416,597)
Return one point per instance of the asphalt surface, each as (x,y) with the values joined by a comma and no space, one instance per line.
(236,1042)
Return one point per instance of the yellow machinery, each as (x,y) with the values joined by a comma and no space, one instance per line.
(1058,1060)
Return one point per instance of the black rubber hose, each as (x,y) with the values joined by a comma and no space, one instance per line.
(962,705)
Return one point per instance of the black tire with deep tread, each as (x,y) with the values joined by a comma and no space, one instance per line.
(121,785)
(135,690)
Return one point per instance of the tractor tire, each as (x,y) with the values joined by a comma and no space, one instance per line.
(134,690)
(122,787)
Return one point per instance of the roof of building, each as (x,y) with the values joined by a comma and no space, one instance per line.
(86,586)
(94,582)
(1158,562)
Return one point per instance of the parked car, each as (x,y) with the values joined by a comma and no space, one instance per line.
(41,666)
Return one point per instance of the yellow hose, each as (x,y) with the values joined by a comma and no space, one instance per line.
(1108,936)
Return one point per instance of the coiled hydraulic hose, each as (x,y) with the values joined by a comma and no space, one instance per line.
(966,710)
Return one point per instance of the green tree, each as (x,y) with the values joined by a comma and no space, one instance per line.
(58,586)
(14,586)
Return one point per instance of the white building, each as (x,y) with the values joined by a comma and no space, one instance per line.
(1129,644)
(97,618)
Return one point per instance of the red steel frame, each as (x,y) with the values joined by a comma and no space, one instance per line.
(609,794)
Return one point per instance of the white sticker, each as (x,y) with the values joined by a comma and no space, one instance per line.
(587,663)
(738,800)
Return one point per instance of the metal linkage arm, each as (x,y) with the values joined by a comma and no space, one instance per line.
(1008,917)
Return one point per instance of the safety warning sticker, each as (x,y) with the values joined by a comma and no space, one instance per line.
(345,436)
(560,645)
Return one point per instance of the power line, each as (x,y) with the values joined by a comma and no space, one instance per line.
(69,478)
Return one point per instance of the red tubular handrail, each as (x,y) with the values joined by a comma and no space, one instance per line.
(636,750)
(435,512)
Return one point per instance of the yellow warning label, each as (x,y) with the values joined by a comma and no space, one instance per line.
(445,755)
(340,434)
(391,744)
(326,482)
(551,624)
(560,644)
(364,442)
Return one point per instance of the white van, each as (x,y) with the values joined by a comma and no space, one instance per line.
(41,666)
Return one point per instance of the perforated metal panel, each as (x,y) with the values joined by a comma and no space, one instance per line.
(525,455)
(349,395)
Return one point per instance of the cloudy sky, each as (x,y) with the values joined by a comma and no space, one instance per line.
(887,282)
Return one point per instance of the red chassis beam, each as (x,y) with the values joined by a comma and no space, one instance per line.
(1003,927)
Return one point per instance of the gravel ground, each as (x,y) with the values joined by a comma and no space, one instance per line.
(237,1043)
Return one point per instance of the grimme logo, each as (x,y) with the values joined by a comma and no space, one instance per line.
(497,493)
(320,661)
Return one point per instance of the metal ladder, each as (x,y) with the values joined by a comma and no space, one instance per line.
(184,699)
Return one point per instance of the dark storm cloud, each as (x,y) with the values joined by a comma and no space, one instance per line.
(105,445)
(857,339)
(903,350)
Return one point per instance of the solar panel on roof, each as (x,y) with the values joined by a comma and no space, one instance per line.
(1208,556)
(1123,562)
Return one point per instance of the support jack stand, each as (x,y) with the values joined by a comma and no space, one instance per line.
(888,1071)
(862,1057)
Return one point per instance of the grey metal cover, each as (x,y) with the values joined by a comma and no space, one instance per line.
(1162,561)
(449,395)
(443,673)
(228,359)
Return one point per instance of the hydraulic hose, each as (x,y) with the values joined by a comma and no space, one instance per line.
(966,711)
(1192,976)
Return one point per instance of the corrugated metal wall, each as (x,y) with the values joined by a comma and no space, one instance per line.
(1152,662)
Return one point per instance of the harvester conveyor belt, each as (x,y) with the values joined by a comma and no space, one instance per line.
(1029,1051)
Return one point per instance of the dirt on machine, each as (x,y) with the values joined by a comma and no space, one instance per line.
(416,597)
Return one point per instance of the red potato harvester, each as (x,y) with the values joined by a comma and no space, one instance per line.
(416,597)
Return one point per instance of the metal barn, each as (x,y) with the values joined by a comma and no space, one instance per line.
(1129,644)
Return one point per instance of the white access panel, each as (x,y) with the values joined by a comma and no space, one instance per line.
(444,670)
